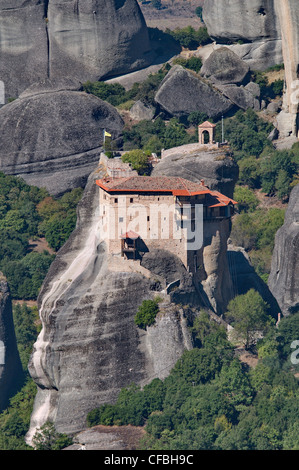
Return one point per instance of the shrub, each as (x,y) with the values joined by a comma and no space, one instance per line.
(138,159)
(247,200)
(146,313)
(194,63)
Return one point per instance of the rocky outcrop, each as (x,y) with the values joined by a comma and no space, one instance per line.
(52,135)
(23,44)
(241,97)
(244,277)
(224,67)
(283,279)
(11,372)
(218,170)
(85,40)
(141,111)
(255,25)
(96,39)
(89,346)
(182,92)
(263,33)
(287,121)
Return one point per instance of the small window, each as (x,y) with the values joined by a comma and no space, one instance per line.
(131,200)
(121,219)
(148,218)
(115,200)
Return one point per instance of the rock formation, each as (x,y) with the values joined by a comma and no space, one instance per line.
(263,33)
(218,170)
(253,26)
(288,13)
(10,365)
(85,40)
(89,347)
(283,279)
(244,277)
(182,92)
(52,135)
(224,67)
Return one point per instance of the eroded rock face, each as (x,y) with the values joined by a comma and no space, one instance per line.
(283,279)
(241,20)
(23,44)
(218,171)
(89,346)
(52,135)
(288,12)
(82,39)
(182,92)
(224,67)
(255,24)
(96,39)
(10,365)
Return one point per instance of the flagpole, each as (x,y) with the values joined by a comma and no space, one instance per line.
(104,139)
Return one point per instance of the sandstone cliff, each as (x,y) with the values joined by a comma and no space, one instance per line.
(10,365)
(85,40)
(283,279)
(263,33)
(255,25)
(288,13)
(52,135)
(89,347)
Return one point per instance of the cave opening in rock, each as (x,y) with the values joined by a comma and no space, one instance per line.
(262,11)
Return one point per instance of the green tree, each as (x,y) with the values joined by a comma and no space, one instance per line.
(247,200)
(249,316)
(146,313)
(47,438)
(138,159)
(249,172)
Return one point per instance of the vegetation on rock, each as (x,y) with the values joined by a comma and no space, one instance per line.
(28,213)
(146,314)
(213,401)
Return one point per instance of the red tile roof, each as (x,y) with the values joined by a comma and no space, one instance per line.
(172,185)
(162,184)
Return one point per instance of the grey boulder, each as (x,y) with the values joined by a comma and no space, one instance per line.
(223,66)
(241,20)
(182,92)
(83,39)
(219,171)
(241,97)
(52,135)
(96,39)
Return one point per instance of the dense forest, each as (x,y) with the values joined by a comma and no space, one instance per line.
(29,213)
(212,400)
